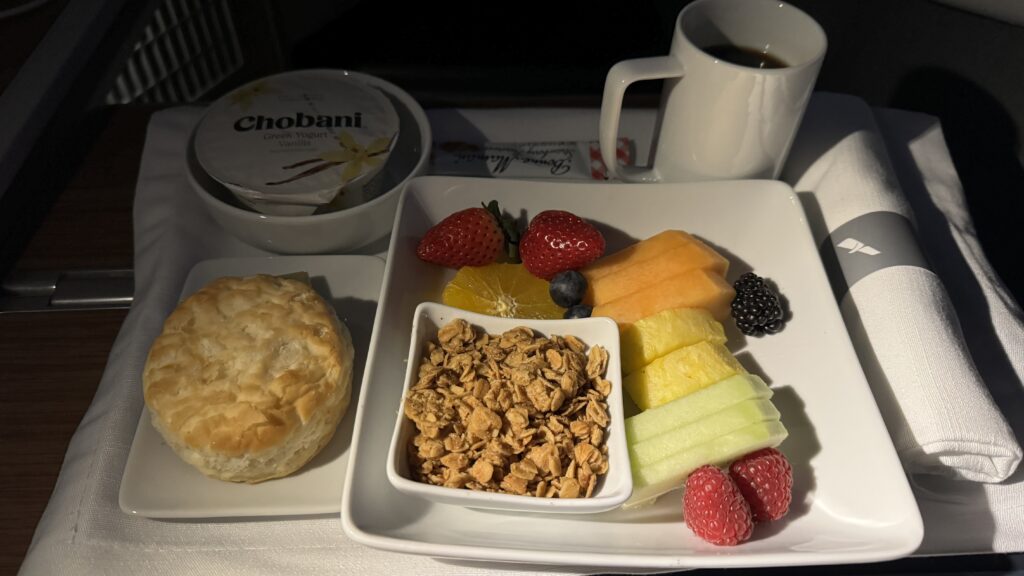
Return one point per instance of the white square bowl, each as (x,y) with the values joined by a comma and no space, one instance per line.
(613,488)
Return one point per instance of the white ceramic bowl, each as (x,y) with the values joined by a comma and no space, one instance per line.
(612,489)
(332,232)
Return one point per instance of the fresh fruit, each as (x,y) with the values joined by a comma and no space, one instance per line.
(668,473)
(703,430)
(689,256)
(693,407)
(505,290)
(578,311)
(714,508)
(693,289)
(557,240)
(765,479)
(636,253)
(679,373)
(470,237)
(756,307)
(567,288)
(654,336)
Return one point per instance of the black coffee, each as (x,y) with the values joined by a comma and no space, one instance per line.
(743,56)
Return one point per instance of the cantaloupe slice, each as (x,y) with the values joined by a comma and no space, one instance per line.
(693,254)
(654,336)
(635,253)
(703,430)
(693,407)
(694,289)
(670,472)
(679,373)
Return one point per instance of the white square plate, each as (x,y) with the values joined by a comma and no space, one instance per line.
(158,484)
(852,502)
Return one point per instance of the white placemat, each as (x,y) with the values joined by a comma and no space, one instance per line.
(84,531)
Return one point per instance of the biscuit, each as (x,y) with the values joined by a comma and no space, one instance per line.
(250,377)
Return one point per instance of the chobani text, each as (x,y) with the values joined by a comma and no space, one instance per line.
(299,120)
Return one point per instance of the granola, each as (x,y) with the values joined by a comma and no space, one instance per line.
(515,413)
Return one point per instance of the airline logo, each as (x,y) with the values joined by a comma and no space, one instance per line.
(848,256)
(857,247)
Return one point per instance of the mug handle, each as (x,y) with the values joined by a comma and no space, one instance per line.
(620,76)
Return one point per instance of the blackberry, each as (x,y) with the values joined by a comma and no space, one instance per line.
(756,308)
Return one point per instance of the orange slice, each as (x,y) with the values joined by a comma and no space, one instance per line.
(506,290)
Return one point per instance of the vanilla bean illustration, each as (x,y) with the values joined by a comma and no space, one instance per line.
(300,163)
(310,172)
(315,169)
(326,164)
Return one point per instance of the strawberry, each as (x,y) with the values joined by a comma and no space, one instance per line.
(470,237)
(714,508)
(556,241)
(766,480)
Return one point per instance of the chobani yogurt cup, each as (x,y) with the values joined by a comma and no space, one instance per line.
(296,142)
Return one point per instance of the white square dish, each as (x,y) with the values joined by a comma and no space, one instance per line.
(612,489)
(852,502)
(158,484)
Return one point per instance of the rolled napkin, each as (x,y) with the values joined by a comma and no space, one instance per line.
(939,411)
(963,517)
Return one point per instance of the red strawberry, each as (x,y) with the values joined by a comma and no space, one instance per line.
(557,241)
(766,480)
(470,237)
(714,508)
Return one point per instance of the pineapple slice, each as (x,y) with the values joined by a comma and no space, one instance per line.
(654,336)
(679,373)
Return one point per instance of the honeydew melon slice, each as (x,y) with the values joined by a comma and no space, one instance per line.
(670,473)
(693,407)
(680,372)
(703,430)
(652,337)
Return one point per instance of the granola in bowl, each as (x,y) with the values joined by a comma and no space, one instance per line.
(516,413)
(512,414)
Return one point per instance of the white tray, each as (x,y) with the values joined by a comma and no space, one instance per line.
(852,502)
(158,484)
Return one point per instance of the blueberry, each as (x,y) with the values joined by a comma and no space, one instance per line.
(578,311)
(567,288)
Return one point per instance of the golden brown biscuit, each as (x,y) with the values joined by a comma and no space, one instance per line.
(250,377)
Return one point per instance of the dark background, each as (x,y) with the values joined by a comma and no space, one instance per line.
(910,54)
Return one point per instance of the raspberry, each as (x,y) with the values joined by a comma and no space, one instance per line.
(766,480)
(714,508)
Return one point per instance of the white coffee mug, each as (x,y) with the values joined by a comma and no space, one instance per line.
(719,120)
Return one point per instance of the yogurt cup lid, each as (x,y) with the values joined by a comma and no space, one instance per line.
(297,138)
